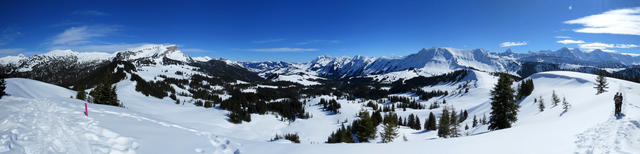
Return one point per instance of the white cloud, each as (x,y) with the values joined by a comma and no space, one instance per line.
(283,49)
(82,34)
(509,44)
(10,51)
(562,37)
(101,47)
(605,47)
(626,46)
(318,41)
(90,13)
(571,41)
(268,41)
(620,21)
(631,54)
(8,34)
(570,7)
(597,45)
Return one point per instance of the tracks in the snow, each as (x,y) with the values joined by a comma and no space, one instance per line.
(220,145)
(41,126)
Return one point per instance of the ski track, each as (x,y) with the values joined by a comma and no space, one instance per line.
(220,144)
(40,126)
(612,135)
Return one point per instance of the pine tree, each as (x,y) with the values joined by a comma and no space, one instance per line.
(81,95)
(454,124)
(555,99)
(3,86)
(475,121)
(565,104)
(417,125)
(411,121)
(430,124)
(364,127)
(443,128)
(376,117)
(525,89)
(601,83)
(504,109)
(484,119)
(390,132)
(104,93)
(541,105)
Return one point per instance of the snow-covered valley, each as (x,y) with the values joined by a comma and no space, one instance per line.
(42,118)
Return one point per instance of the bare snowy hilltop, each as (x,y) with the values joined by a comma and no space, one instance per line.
(157,99)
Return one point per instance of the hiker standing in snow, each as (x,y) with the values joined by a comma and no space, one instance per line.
(618,101)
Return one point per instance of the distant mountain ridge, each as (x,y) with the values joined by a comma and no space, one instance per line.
(436,60)
(426,62)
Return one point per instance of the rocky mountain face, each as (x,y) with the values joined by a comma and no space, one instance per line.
(433,61)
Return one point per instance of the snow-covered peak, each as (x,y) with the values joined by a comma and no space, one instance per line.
(154,51)
(12,59)
(81,56)
(202,59)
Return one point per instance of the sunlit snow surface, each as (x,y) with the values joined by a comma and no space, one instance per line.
(38,117)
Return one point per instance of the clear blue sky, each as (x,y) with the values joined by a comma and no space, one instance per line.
(302,30)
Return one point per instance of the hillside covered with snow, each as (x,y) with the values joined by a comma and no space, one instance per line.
(42,118)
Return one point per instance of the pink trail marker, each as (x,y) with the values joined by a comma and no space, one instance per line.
(86,112)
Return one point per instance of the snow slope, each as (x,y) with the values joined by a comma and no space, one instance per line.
(41,118)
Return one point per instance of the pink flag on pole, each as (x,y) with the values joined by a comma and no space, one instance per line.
(86,112)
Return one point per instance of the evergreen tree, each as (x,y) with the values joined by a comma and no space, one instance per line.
(411,121)
(565,104)
(3,86)
(430,124)
(464,115)
(364,127)
(525,89)
(443,128)
(104,93)
(475,121)
(601,83)
(541,105)
(454,124)
(81,95)
(504,109)
(484,119)
(417,125)
(376,117)
(466,126)
(390,132)
(555,99)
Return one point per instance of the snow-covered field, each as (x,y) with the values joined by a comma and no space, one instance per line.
(38,117)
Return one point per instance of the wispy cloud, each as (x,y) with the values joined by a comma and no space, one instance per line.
(571,41)
(11,51)
(8,34)
(89,13)
(82,34)
(318,41)
(510,44)
(620,21)
(268,41)
(100,47)
(282,49)
(604,46)
(562,37)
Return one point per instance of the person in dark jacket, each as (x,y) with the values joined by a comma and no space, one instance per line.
(618,102)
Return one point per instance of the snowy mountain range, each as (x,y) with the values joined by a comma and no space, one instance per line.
(169,95)
(426,62)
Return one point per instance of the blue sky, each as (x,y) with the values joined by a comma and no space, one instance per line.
(299,31)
